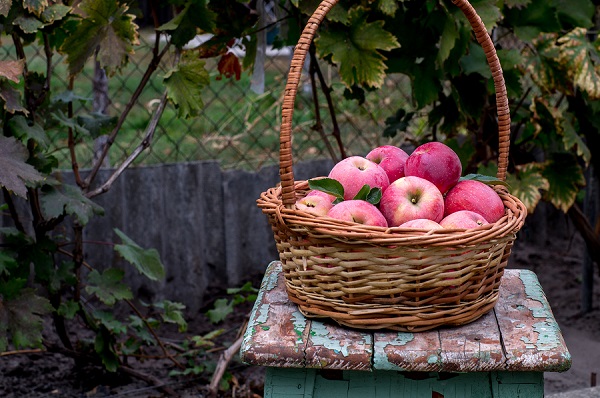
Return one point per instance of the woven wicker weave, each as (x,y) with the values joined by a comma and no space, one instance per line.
(389,278)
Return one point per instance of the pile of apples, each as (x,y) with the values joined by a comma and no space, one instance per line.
(389,188)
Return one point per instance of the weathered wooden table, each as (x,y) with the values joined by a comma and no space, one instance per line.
(503,354)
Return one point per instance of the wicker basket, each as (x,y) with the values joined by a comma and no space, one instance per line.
(389,278)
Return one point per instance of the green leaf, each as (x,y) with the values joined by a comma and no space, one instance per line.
(362,193)
(327,185)
(107,32)
(576,54)
(63,274)
(68,122)
(448,39)
(107,319)
(184,26)
(173,313)
(576,12)
(68,309)
(488,11)
(573,140)
(184,86)
(108,286)
(388,7)
(28,24)
(68,199)
(11,98)
(54,13)
(7,261)
(103,345)
(355,48)
(15,173)
(221,309)
(475,62)
(565,177)
(21,320)
(374,196)
(22,129)
(527,184)
(35,6)
(146,261)
(516,3)
(486,179)
(536,17)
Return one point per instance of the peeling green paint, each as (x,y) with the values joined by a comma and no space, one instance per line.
(380,358)
(320,338)
(433,359)
(548,331)
(299,322)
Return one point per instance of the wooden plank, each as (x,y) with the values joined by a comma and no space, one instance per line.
(473,347)
(333,347)
(277,332)
(530,334)
(405,351)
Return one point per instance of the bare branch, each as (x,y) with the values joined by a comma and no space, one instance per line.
(146,142)
(157,56)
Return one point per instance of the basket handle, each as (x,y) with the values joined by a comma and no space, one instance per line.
(286,172)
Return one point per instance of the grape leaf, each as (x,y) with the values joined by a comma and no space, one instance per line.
(28,24)
(108,286)
(516,3)
(20,128)
(11,98)
(15,174)
(536,17)
(565,177)
(68,309)
(576,54)
(184,26)
(21,320)
(229,66)
(488,11)
(355,49)
(107,319)
(447,41)
(184,86)
(12,69)
(221,309)
(572,139)
(388,7)
(108,29)
(146,261)
(173,313)
(527,184)
(475,62)
(4,9)
(35,6)
(55,12)
(576,12)
(67,199)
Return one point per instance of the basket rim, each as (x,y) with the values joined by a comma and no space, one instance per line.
(301,223)
(286,172)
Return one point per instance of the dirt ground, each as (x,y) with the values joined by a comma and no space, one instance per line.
(555,255)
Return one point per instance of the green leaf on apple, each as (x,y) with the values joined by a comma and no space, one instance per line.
(329,186)
(485,179)
(374,196)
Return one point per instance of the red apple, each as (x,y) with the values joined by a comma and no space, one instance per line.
(391,159)
(315,204)
(358,211)
(463,219)
(421,223)
(474,196)
(316,192)
(409,198)
(435,162)
(355,171)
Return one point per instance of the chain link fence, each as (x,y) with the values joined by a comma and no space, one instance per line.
(237,126)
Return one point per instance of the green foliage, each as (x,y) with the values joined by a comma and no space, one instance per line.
(43,272)
(224,306)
